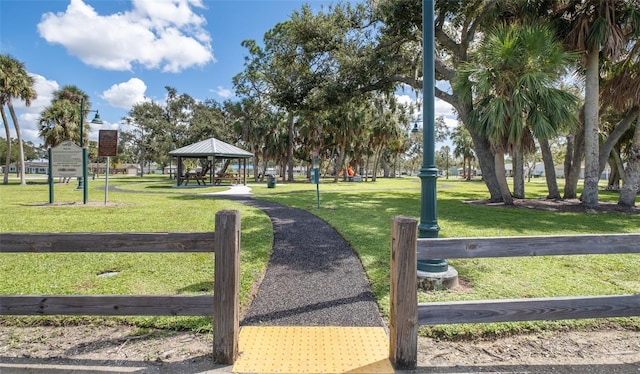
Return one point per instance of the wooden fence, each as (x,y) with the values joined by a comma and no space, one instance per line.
(406,314)
(223,304)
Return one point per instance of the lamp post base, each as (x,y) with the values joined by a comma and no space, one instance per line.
(433,266)
(430,281)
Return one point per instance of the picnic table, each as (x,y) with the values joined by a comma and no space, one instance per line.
(197,176)
(228,178)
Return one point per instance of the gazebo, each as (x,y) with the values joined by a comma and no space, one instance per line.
(212,150)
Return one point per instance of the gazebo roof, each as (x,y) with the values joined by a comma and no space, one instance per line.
(211,147)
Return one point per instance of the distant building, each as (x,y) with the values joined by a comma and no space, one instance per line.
(31,167)
(538,171)
(125,169)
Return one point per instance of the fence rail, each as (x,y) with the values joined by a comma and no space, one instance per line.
(406,314)
(107,305)
(517,246)
(108,242)
(223,304)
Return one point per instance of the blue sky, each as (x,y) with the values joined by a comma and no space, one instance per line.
(121,52)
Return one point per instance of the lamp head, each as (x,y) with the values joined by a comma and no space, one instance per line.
(97,120)
(415,127)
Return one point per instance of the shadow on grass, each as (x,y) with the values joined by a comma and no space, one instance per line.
(377,208)
(196,287)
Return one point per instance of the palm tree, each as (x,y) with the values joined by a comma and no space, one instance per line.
(597,29)
(60,121)
(463,147)
(513,82)
(621,93)
(15,82)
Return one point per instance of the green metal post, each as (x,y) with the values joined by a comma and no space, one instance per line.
(82,181)
(50,177)
(316,174)
(85,177)
(428,227)
(316,177)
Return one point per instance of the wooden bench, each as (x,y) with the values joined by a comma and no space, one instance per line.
(227,179)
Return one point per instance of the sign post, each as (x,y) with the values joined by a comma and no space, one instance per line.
(316,175)
(107,146)
(50,178)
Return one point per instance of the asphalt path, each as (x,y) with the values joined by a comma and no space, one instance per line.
(314,277)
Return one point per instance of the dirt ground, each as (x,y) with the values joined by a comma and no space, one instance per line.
(567,206)
(91,349)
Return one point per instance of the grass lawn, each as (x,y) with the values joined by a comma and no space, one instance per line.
(24,209)
(361,212)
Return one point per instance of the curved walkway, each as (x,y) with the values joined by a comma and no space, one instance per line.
(314,278)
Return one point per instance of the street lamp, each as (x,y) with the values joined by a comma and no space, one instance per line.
(82,181)
(428,227)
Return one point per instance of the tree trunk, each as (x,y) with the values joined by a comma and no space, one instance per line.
(518,174)
(385,167)
(290,148)
(339,164)
(255,163)
(572,164)
(343,167)
(502,178)
(395,166)
(487,166)
(615,135)
(21,167)
(613,183)
(591,128)
(617,169)
(366,169)
(264,169)
(8,158)
(631,181)
(376,163)
(549,170)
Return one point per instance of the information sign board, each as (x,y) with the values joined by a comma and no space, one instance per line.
(66,160)
(107,143)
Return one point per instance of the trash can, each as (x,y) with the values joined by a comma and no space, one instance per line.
(271,181)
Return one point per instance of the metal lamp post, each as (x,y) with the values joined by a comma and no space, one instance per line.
(83,181)
(428,227)
(316,175)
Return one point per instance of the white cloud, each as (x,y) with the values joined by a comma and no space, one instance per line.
(441,108)
(167,12)
(224,93)
(406,99)
(126,94)
(156,34)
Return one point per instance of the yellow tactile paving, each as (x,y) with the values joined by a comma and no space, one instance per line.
(310,349)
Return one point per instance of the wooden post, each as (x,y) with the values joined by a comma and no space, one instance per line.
(226,287)
(403,319)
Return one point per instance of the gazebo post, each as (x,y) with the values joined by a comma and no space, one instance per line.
(244,171)
(180,171)
(212,169)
